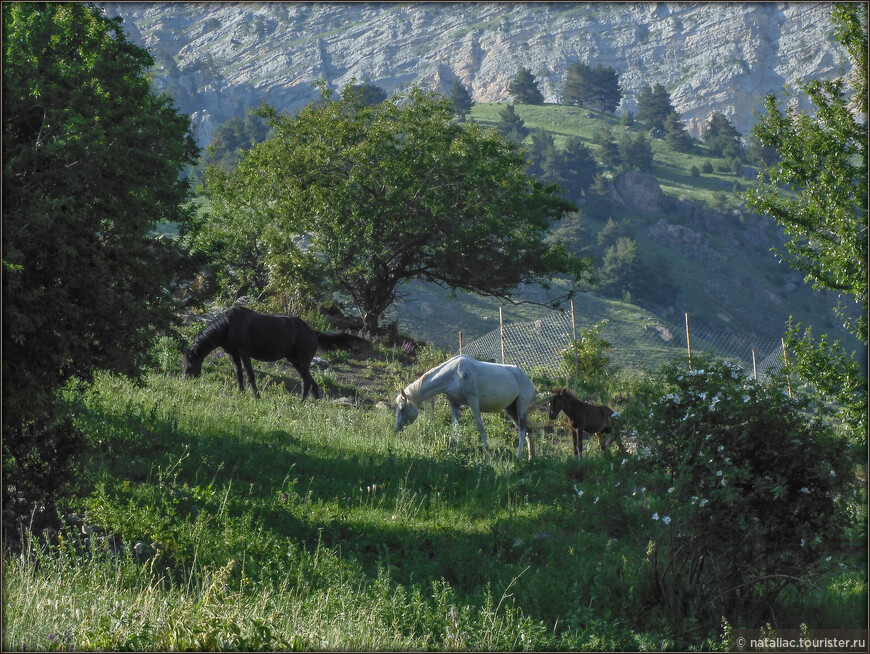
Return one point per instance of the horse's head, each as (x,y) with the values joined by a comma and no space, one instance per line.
(555,403)
(190,367)
(406,411)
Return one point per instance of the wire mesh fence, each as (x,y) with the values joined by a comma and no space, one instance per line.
(638,343)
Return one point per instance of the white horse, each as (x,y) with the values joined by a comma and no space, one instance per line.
(486,387)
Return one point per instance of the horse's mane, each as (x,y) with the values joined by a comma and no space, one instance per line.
(206,340)
(412,390)
(568,393)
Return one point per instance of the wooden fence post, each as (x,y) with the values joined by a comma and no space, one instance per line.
(688,341)
(754,367)
(574,336)
(460,341)
(787,373)
(501,331)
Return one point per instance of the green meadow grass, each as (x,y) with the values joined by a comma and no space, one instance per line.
(273,524)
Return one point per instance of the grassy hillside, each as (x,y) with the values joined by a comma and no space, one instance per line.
(204,519)
(731,282)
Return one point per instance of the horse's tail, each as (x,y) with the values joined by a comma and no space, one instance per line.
(330,342)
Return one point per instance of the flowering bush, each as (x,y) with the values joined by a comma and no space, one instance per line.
(747,482)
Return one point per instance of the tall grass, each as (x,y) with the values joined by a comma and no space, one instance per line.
(217,521)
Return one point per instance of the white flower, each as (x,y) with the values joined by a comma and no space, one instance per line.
(728,459)
(655,516)
(578,491)
(623,462)
(833,474)
(671,489)
(666,519)
(803,540)
(745,398)
(720,448)
(805,490)
(718,473)
(694,498)
(704,502)
(597,497)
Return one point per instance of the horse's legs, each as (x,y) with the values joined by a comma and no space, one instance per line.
(252,380)
(475,409)
(308,383)
(524,433)
(237,368)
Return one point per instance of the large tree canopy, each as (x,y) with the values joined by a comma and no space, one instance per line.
(368,197)
(91,162)
(823,166)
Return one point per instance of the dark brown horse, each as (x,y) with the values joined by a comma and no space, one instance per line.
(245,334)
(581,416)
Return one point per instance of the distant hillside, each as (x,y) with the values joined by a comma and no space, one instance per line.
(701,251)
(219,59)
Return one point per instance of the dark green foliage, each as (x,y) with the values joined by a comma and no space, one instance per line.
(358,199)
(608,151)
(636,153)
(461,98)
(545,160)
(654,105)
(722,138)
(586,86)
(579,86)
(524,88)
(232,137)
(91,163)
(511,126)
(580,167)
(749,491)
(368,94)
(823,163)
(677,137)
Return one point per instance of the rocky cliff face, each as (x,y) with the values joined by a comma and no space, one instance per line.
(219,59)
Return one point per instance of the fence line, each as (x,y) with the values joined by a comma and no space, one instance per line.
(640,343)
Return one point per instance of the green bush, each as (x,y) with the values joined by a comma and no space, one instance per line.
(748,485)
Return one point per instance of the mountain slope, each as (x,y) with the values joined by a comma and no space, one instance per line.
(219,59)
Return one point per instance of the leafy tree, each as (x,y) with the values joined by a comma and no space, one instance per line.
(722,138)
(91,162)
(511,126)
(524,88)
(580,166)
(462,101)
(369,197)
(823,165)
(654,105)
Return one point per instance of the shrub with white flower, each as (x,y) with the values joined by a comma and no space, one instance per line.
(749,480)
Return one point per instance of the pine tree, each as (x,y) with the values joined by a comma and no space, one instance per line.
(524,88)
(461,99)
(511,126)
